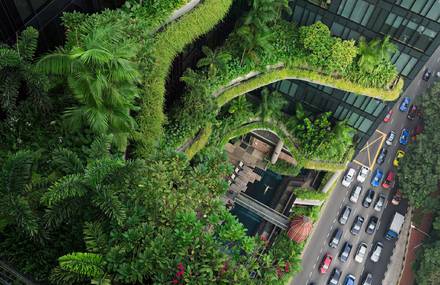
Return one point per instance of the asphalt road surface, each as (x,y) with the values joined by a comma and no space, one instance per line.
(318,245)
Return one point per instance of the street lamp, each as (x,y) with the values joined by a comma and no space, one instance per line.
(419,230)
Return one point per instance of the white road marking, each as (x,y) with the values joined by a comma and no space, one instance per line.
(328,234)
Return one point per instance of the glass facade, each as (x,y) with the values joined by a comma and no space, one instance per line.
(44,15)
(414,27)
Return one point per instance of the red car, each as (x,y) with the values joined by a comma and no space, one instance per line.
(388,116)
(389,180)
(325,264)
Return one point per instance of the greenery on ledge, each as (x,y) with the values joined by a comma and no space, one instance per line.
(309,194)
(284,168)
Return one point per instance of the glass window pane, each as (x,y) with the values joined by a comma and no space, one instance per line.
(293,88)
(359,12)
(372,106)
(409,66)
(379,109)
(353,118)
(365,126)
(351,98)
(359,101)
(434,13)
(418,6)
(284,87)
(402,61)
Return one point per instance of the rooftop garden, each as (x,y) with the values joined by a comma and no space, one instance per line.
(103,187)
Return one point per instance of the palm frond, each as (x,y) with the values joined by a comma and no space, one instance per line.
(56,63)
(100,147)
(22,214)
(94,237)
(110,205)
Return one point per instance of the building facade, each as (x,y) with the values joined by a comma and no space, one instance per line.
(45,16)
(414,27)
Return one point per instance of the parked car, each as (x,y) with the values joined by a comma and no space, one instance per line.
(350,280)
(375,255)
(389,180)
(368,199)
(405,104)
(412,112)
(380,202)
(399,154)
(396,198)
(345,252)
(336,238)
(377,178)
(360,253)
(345,214)
(348,177)
(357,225)
(388,116)
(371,226)
(382,155)
(427,74)
(404,137)
(390,138)
(334,277)
(355,193)
(363,173)
(368,279)
(325,263)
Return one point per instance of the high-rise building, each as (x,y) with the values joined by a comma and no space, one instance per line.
(43,15)
(413,26)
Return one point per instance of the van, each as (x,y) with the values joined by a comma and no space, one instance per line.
(334,242)
(345,214)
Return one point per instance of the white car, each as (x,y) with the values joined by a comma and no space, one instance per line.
(390,138)
(361,252)
(363,173)
(379,203)
(349,177)
(355,193)
(375,255)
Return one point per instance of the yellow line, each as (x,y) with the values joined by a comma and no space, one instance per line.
(380,132)
(377,153)
(360,163)
(365,147)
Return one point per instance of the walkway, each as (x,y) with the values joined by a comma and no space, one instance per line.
(417,235)
(263,211)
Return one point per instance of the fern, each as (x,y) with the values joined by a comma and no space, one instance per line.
(27,43)
(83,263)
(67,161)
(100,147)
(94,237)
(110,205)
(16,173)
(70,186)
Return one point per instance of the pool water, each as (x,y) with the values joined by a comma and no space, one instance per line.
(263,191)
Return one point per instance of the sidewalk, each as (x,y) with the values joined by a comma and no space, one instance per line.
(416,237)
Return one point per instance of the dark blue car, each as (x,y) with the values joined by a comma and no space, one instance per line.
(350,280)
(404,137)
(377,177)
(404,106)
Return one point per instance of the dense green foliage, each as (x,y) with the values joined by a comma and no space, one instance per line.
(419,173)
(309,194)
(17,71)
(88,213)
(284,168)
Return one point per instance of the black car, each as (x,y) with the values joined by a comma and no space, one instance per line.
(357,225)
(368,199)
(334,242)
(412,112)
(382,155)
(427,74)
(334,277)
(345,252)
(371,227)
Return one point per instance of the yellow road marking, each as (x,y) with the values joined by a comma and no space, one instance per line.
(377,152)
(360,163)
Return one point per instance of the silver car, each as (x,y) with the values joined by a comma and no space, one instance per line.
(355,193)
(360,253)
(379,203)
(368,280)
(375,255)
(390,138)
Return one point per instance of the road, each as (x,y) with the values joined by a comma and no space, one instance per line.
(318,245)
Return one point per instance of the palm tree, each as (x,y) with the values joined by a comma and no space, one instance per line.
(367,55)
(215,60)
(385,48)
(271,104)
(103,80)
